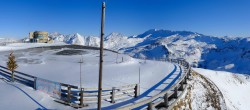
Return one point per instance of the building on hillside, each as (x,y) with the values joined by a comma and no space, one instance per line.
(39,37)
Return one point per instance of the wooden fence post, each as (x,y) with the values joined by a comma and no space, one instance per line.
(136,90)
(185,80)
(35,83)
(81,97)
(166,100)
(150,106)
(175,95)
(181,87)
(113,95)
(188,74)
(69,94)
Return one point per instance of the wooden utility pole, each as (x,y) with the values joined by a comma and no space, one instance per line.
(101,58)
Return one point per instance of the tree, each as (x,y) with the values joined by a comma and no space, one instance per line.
(11,65)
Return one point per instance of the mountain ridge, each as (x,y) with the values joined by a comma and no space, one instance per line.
(218,53)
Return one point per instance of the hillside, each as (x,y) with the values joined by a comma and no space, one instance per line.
(234,87)
(216,90)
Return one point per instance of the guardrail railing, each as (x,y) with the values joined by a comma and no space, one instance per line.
(167,95)
(79,97)
(70,94)
(23,78)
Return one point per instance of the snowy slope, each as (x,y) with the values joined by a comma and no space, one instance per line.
(202,94)
(117,41)
(216,90)
(234,87)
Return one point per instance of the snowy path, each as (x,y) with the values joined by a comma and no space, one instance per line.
(162,85)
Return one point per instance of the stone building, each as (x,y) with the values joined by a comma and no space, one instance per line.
(39,36)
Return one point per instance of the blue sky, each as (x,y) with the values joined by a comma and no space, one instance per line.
(130,17)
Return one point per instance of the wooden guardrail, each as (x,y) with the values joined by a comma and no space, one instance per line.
(79,97)
(23,78)
(75,96)
(167,95)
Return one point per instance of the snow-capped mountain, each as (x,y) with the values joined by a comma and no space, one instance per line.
(92,41)
(219,53)
(57,37)
(76,39)
(117,41)
(4,41)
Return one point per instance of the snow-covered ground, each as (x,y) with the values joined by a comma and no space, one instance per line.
(15,96)
(18,46)
(61,65)
(53,65)
(234,87)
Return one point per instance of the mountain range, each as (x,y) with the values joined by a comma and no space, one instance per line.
(217,53)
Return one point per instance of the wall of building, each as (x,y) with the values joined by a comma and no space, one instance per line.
(39,36)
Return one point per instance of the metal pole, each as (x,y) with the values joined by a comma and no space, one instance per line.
(81,61)
(101,59)
(116,58)
(80,73)
(139,75)
(139,80)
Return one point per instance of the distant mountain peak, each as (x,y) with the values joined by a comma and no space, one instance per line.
(114,35)
(55,34)
(77,34)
